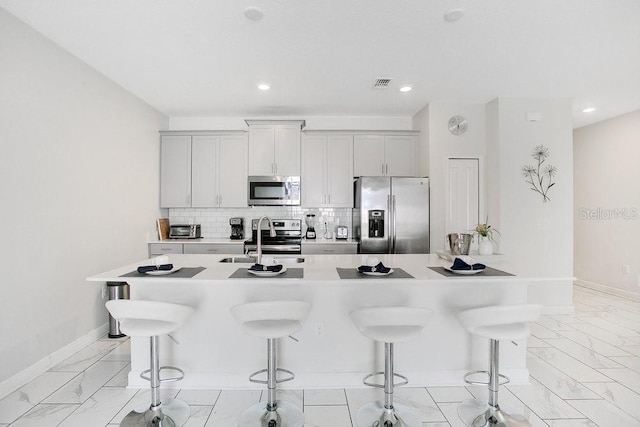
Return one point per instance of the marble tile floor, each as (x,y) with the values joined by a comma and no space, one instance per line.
(585,371)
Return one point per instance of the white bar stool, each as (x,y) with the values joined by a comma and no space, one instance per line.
(151,319)
(502,322)
(271,320)
(389,325)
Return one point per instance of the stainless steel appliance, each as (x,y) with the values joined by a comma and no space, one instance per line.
(273,190)
(391,215)
(185,231)
(310,220)
(237,228)
(342,232)
(288,239)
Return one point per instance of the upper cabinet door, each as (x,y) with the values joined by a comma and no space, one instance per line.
(261,150)
(175,171)
(401,155)
(339,171)
(232,168)
(287,150)
(313,171)
(368,155)
(204,180)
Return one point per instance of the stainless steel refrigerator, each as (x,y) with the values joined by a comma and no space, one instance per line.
(391,215)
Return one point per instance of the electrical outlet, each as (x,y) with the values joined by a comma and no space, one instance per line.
(625,268)
(319,329)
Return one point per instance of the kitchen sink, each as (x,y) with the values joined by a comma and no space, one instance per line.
(279,259)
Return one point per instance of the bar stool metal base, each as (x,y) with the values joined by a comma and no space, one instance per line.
(286,415)
(170,413)
(374,414)
(476,413)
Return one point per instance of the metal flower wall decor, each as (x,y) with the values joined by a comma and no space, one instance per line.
(540,177)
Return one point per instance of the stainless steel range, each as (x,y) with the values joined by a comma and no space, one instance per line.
(288,239)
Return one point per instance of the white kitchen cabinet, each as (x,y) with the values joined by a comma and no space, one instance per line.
(203,170)
(329,248)
(164,248)
(213,248)
(219,171)
(385,155)
(175,171)
(274,147)
(327,170)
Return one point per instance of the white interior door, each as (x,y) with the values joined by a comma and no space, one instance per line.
(463,208)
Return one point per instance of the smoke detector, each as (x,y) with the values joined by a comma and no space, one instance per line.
(253,13)
(382,83)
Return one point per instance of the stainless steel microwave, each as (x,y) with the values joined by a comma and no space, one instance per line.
(273,191)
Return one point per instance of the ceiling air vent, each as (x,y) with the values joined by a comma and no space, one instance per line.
(382,83)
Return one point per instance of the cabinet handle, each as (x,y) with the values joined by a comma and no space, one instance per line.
(188,200)
(276,167)
(386,169)
(328,199)
(212,250)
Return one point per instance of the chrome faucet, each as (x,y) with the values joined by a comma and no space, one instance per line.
(272,233)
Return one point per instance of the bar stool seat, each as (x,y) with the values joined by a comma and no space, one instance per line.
(497,323)
(389,325)
(152,319)
(271,320)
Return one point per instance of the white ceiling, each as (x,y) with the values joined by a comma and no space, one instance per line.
(321,57)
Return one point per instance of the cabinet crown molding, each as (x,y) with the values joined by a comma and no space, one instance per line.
(300,123)
(361,132)
(201,132)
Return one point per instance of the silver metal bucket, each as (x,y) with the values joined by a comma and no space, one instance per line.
(459,243)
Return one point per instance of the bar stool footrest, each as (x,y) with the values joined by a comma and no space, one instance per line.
(503,378)
(404,381)
(146,375)
(278,380)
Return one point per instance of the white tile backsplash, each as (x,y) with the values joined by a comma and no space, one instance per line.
(215,221)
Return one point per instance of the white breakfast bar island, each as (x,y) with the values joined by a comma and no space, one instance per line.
(328,352)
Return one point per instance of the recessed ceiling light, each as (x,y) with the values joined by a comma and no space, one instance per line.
(264,86)
(589,110)
(405,88)
(453,15)
(253,13)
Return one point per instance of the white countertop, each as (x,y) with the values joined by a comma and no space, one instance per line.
(328,241)
(241,241)
(316,268)
(200,241)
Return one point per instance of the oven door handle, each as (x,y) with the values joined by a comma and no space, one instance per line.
(281,248)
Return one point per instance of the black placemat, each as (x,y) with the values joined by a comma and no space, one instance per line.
(487,272)
(353,273)
(291,273)
(183,273)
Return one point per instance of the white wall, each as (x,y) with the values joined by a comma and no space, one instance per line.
(537,237)
(79,185)
(607,205)
(442,146)
(311,123)
(420,122)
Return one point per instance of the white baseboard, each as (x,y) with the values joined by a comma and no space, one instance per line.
(29,374)
(608,289)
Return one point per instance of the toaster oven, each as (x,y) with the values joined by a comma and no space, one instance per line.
(184,231)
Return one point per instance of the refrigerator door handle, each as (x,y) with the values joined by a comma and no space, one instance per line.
(393,224)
